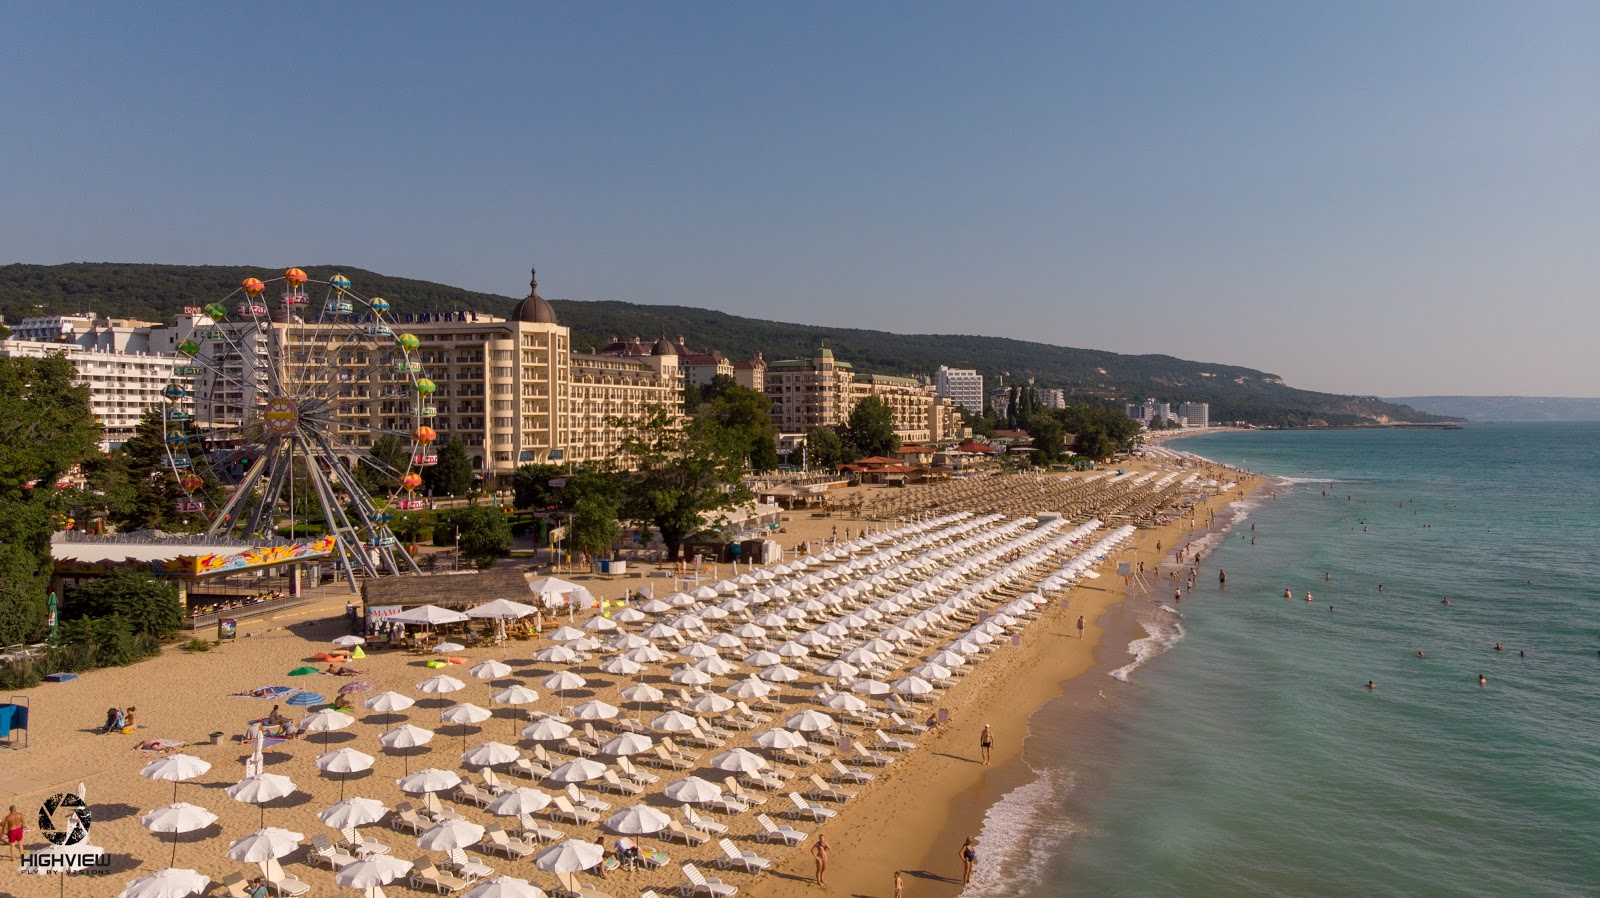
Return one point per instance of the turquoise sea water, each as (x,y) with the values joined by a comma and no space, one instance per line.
(1248,758)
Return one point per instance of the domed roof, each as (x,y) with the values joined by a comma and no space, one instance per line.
(664,347)
(534,308)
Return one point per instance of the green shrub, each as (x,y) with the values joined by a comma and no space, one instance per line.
(197,645)
(20,675)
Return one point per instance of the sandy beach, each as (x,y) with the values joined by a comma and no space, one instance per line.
(912,817)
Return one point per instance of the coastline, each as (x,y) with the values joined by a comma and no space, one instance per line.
(917,820)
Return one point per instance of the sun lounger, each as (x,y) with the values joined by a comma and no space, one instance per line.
(664,758)
(497,839)
(539,832)
(280,882)
(360,845)
(425,875)
(530,769)
(731,855)
(562,809)
(633,774)
(697,883)
(689,836)
(784,831)
(672,747)
(234,885)
(733,788)
(406,817)
(614,782)
(469,791)
(696,821)
(576,746)
(469,869)
(802,808)
(324,852)
(876,759)
(588,802)
(843,774)
(903,726)
(890,743)
(571,888)
(824,792)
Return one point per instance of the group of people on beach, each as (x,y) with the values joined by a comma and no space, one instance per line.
(120,721)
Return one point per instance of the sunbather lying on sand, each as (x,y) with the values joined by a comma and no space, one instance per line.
(341,671)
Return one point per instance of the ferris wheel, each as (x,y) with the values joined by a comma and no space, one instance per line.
(311,416)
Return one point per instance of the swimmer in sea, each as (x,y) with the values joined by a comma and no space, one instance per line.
(1287,594)
(1308,597)
(1444,601)
(1483,680)
(1330,609)
(1371,685)
(1422,654)
(1498,647)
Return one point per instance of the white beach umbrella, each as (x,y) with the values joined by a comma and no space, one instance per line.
(519,801)
(724,641)
(912,686)
(715,666)
(505,887)
(621,666)
(265,844)
(693,790)
(622,642)
(546,729)
(793,613)
(688,676)
(749,631)
(878,646)
(344,761)
(405,736)
(352,812)
(710,703)
(388,702)
(809,721)
(562,680)
(628,744)
(642,692)
(349,640)
(931,671)
(556,654)
(861,656)
(655,606)
(739,760)
(515,695)
(648,654)
(594,709)
(697,650)
(178,817)
(637,820)
(762,658)
(501,608)
(325,721)
(168,883)
(177,768)
(842,670)
(689,622)
(371,872)
(771,620)
(428,615)
(725,586)
(947,658)
(489,670)
(569,856)
(793,649)
(660,630)
(445,648)
(465,714)
(780,673)
(430,780)
(260,789)
(673,722)
(489,754)
(629,615)
(578,770)
(440,684)
(844,701)
(779,739)
(750,687)
(448,835)
(566,634)
(599,623)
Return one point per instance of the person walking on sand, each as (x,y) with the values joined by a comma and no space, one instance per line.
(969,853)
(13,827)
(986,743)
(1080,626)
(899,886)
(819,851)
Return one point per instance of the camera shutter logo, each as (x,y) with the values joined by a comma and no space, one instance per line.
(72,812)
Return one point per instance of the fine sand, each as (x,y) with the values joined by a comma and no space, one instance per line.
(912,817)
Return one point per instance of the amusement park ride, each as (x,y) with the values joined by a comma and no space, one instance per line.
(291,394)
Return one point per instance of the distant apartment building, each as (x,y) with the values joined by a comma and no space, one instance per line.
(1195,414)
(122,384)
(962,386)
(822,392)
(1148,411)
(1052,397)
(699,368)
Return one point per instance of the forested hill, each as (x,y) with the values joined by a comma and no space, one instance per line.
(156,292)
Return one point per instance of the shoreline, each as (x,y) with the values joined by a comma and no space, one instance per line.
(919,829)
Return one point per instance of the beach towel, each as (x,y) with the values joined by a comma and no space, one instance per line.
(273,692)
(151,747)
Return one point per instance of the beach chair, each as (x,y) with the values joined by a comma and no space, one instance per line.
(823,792)
(731,855)
(761,780)
(802,808)
(426,875)
(530,768)
(469,791)
(629,725)
(739,722)
(360,845)
(876,759)
(745,710)
(467,868)
(653,859)
(733,788)
(698,736)
(438,810)
(590,733)
(672,747)
(491,781)
(562,809)
(705,824)
(664,758)
(689,836)
(784,831)
(280,882)
(712,731)
(612,781)
(587,802)
(903,726)
(539,832)
(697,883)
(234,885)
(728,804)
(769,703)
(499,840)
(324,852)
(576,746)
(406,817)
(890,743)
(633,774)
(570,887)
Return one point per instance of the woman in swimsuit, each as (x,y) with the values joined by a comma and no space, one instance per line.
(968,854)
(820,852)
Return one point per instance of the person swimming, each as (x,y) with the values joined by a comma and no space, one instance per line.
(1444,601)
(1288,594)
(1483,680)
(1308,597)
(1371,685)
(1422,654)
(1499,648)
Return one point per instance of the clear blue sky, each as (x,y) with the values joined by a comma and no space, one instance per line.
(1370,197)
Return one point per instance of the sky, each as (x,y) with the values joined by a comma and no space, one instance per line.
(1386,198)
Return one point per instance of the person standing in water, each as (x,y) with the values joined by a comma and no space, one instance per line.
(1222,577)
(969,854)
(986,743)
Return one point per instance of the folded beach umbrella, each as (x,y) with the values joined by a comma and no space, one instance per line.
(546,729)
(489,670)
(177,768)
(569,856)
(264,844)
(352,812)
(637,820)
(448,835)
(578,770)
(260,789)
(594,709)
(621,666)
(440,684)
(430,780)
(371,872)
(168,883)
(693,790)
(519,801)
(505,887)
(489,754)
(627,744)
(739,760)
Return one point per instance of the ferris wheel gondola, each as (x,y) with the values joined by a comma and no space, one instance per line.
(311,416)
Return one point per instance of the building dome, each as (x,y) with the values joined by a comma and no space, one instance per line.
(534,309)
(664,347)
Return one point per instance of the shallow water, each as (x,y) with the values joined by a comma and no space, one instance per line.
(1239,752)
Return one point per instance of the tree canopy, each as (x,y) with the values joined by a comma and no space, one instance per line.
(746,416)
(870,430)
(824,448)
(484,534)
(452,475)
(684,472)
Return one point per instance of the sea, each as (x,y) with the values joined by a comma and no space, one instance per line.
(1234,748)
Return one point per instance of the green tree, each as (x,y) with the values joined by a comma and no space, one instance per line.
(145,603)
(485,534)
(1048,435)
(379,469)
(870,430)
(452,475)
(594,527)
(746,416)
(530,486)
(824,449)
(684,472)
